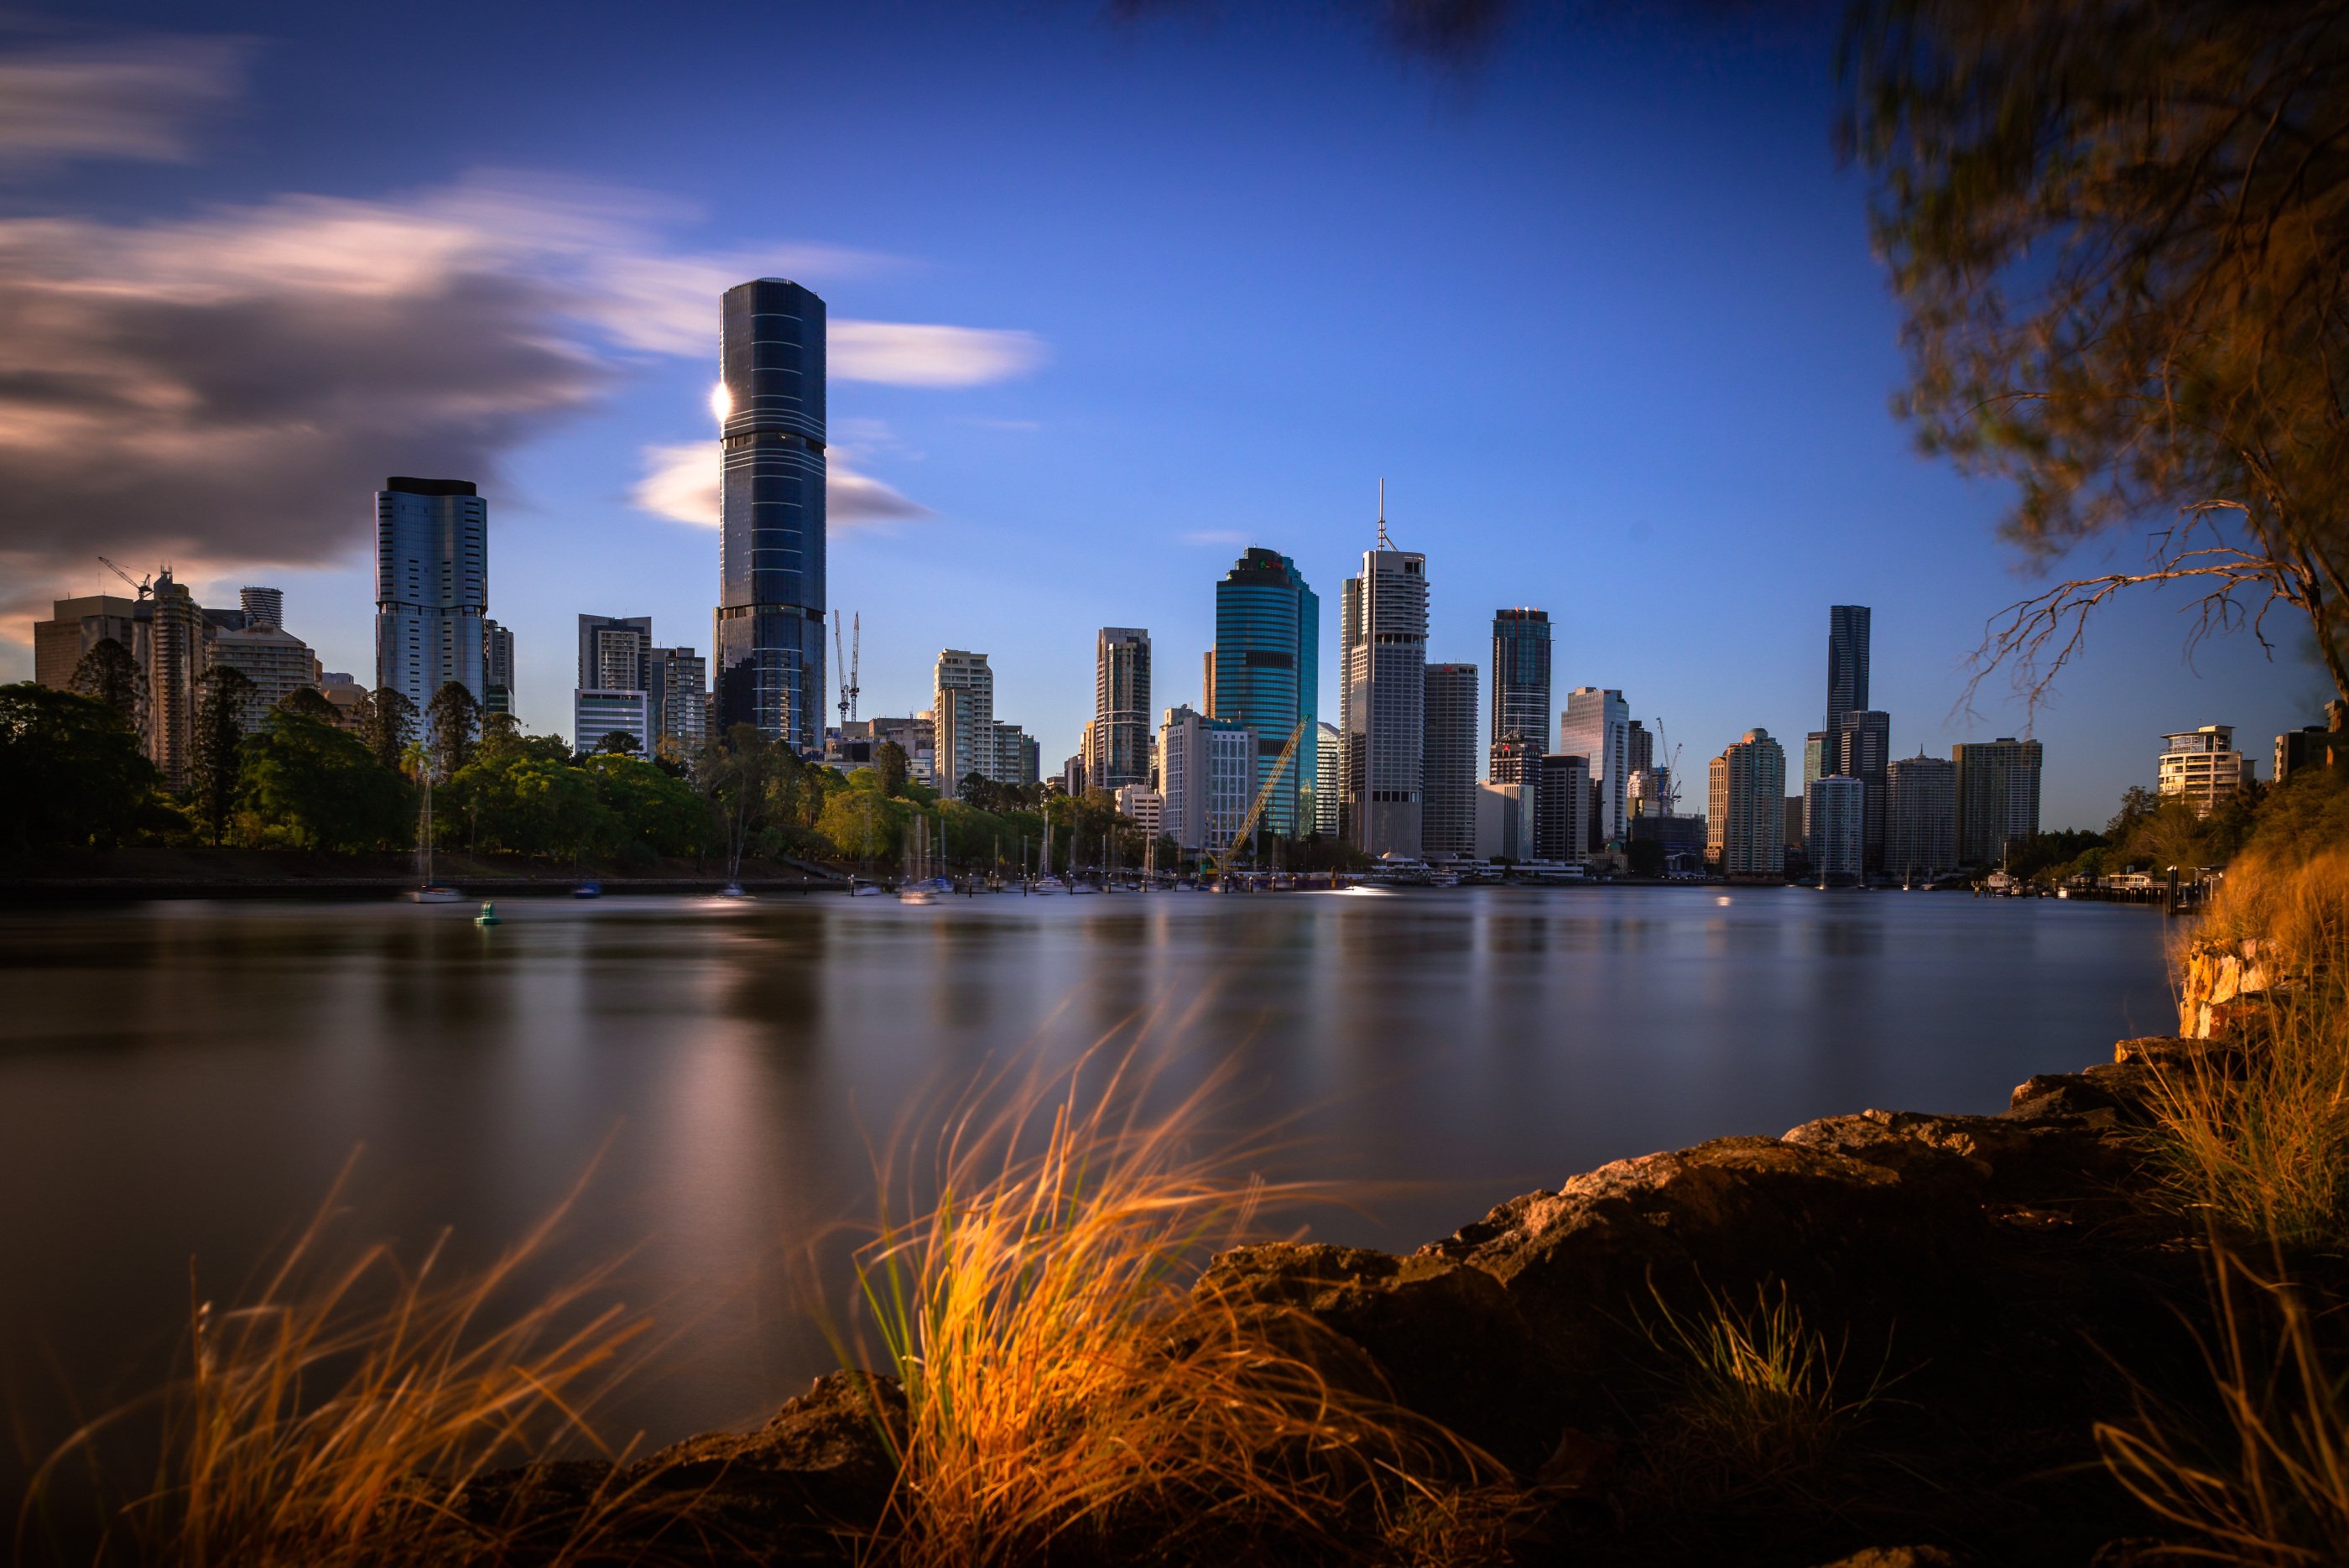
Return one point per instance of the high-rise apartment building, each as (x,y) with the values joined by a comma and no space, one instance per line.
(2201,767)
(1207,778)
(1847,631)
(1863,751)
(1327,801)
(1448,802)
(677,691)
(1560,828)
(1835,810)
(615,652)
(768,645)
(913,736)
(1597,727)
(1144,807)
(1383,641)
(1014,756)
(1120,732)
(1921,817)
(2311,746)
(962,720)
(1639,750)
(1265,671)
(1998,796)
(497,668)
(1521,650)
(274,660)
(431,585)
(1745,829)
(262,608)
(174,655)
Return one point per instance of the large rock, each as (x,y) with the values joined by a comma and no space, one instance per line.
(820,1466)
(1998,1160)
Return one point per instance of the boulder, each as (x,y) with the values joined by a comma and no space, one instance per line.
(2000,1159)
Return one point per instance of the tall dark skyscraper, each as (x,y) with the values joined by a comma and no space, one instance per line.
(1521,677)
(771,549)
(1265,671)
(1846,663)
(1448,803)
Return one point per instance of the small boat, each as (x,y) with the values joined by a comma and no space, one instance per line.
(860,888)
(920,887)
(588,889)
(487,917)
(1048,883)
(916,893)
(435,894)
(1084,888)
(732,890)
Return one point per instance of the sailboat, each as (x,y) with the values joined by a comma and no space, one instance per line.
(427,891)
(916,888)
(1045,881)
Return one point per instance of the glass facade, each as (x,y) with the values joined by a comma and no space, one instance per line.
(770,561)
(1847,632)
(1521,678)
(1268,673)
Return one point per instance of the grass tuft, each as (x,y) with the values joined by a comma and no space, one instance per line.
(1069,1395)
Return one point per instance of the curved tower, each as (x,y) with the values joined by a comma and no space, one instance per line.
(769,632)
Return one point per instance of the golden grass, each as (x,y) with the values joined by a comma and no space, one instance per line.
(2261,1142)
(2275,1488)
(1759,1396)
(339,1418)
(1070,1398)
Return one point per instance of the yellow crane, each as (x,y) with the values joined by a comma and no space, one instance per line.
(1256,810)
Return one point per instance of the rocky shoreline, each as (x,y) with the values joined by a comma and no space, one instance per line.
(1996,1280)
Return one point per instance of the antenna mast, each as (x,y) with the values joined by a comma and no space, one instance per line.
(1384,543)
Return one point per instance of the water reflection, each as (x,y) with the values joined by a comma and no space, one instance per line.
(186,1079)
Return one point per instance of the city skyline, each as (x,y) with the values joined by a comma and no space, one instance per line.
(996,407)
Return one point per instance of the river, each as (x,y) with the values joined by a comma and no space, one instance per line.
(183,1080)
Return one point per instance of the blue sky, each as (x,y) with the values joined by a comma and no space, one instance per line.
(1600,309)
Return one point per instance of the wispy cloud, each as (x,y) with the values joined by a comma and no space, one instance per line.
(905,354)
(140,99)
(1216,537)
(680,482)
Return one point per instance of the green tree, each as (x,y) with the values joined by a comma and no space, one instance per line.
(889,762)
(647,811)
(2119,232)
(218,774)
(2137,803)
(311,703)
(388,725)
(72,774)
(108,674)
(453,721)
(619,742)
(323,787)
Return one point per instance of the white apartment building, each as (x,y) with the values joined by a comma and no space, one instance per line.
(1207,778)
(2201,767)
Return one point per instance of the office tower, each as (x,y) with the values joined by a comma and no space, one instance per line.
(1863,751)
(1327,754)
(497,668)
(1521,647)
(2201,767)
(1207,778)
(1031,761)
(262,607)
(1448,799)
(677,690)
(598,713)
(771,553)
(1120,728)
(1561,817)
(277,662)
(962,719)
(1265,672)
(1144,807)
(1639,749)
(1998,796)
(431,585)
(1501,822)
(1921,817)
(1207,681)
(1383,641)
(1745,829)
(1799,819)
(76,626)
(1513,760)
(1847,662)
(1835,810)
(1597,727)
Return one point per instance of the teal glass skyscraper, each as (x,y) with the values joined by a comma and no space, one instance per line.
(1267,673)
(771,551)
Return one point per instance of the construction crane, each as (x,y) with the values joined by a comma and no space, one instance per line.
(856,654)
(840,669)
(1256,810)
(1671,773)
(145,589)
(846,663)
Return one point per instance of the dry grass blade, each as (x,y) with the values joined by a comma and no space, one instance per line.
(339,1418)
(1071,1396)
(2275,1490)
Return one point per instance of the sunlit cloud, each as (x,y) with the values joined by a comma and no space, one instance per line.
(680,482)
(140,99)
(905,354)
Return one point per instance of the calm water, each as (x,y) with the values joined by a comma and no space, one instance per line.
(183,1080)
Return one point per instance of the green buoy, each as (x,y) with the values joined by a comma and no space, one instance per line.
(487,917)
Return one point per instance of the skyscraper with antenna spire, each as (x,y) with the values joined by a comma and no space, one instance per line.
(1383,646)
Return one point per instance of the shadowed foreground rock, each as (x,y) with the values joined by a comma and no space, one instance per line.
(1979,1281)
